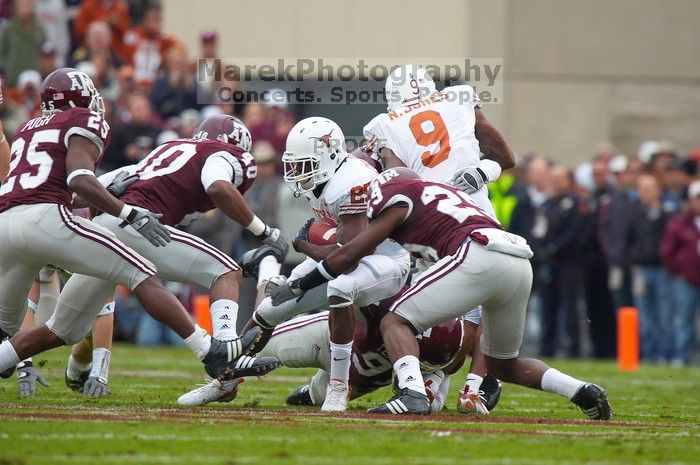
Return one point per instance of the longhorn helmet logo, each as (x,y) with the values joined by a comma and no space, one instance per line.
(326,138)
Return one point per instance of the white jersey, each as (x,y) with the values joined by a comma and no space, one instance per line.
(346,194)
(435,137)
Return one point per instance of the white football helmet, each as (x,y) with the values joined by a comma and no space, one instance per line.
(407,84)
(315,149)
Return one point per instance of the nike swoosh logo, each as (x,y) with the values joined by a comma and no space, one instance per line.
(338,359)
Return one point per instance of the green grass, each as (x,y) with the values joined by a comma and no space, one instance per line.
(656,421)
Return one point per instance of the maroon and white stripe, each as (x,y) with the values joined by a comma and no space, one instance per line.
(434,275)
(115,246)
(203,246)
(299,323)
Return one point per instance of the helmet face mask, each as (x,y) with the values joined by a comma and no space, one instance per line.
(315,149)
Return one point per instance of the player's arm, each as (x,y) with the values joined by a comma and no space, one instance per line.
(80,169)
(313,251)
(497,157)
(349,226)
(344,258)
(389,159)
(217,175)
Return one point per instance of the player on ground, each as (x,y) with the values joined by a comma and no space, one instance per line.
(440,135)
(318,167)
(477,263)
(54,156)
(181,180)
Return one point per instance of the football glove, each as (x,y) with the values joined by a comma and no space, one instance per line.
(121,182)
(147,224)
(95,387)
(276,239)
(282,291)
(27,377)
(303,234)
(469,179)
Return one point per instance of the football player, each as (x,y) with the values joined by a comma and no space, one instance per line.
(440,135)
(4,146)
(476,263)
(181,180)
(318,167)
(54,156)
(304,342)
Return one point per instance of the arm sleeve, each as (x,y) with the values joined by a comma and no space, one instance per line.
(374,129)
(221,166)
(465,96)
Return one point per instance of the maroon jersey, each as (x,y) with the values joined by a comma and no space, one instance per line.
(439,219)
(371,367)
(171,180)
(38,156)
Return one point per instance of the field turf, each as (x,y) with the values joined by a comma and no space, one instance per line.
(657,411)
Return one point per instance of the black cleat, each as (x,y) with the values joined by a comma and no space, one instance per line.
(253,366)
(250,263)
(300,396)
(77,384)
(223,355)
(406,402)
(7,373)
(593,400)
(491,392)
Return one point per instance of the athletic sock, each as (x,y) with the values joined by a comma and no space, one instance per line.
(224,315)
(75,368)
(100,363)
(557,382)
(474,382)
(8,356)
(432,382)
(407,370)
(269,267)
(199,342)
(340,361)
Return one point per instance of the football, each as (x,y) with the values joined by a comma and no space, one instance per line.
(322,233)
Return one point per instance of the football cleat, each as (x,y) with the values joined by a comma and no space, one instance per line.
(77,385)
(213,391)
(337,395)
(222,355)
(301,396)
(470,402)
(406,402)
(254,366)
(250,263)
(491,389)
(593,400)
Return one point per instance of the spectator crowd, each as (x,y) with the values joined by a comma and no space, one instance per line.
(620,230)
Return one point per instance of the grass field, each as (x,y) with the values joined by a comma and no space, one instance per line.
(656,421)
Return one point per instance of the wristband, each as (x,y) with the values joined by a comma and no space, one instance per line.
(3,138)
(491,170)
(126,211)
(80,172)
(31,305)
(256,226)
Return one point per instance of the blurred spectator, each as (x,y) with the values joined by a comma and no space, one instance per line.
(11,115)
(132,141)
(98,43)
(189,121)
(675,182)
(599,302)
(556,248)
(7,11)
(20,42)
(113,12)
(145,46)
(650,282)
(527,220)
(47,59)
(209,41)
(28,92)
(680,254)
(175,89)
(125,86)
(53,16)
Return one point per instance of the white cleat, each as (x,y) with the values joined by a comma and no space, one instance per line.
(213,391)
(337,395)
(470,402)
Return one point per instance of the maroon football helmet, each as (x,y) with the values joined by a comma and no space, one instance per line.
(227,129)
(68,88)
(440,344)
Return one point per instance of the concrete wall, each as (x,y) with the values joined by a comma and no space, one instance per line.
(577,72)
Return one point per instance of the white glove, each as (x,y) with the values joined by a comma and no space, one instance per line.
(469,179)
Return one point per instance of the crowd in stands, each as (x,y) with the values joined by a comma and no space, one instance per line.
(620,230)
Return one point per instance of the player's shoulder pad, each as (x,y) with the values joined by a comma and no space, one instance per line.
(463,94)
(374,127)
(353,172)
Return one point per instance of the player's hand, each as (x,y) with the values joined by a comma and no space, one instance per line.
(303,234)
(27,377)
(121,182)
(282,291)
(276,239)
(147,224)
(469,179)
(95,387)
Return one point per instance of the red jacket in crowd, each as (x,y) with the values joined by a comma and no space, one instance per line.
(680,248)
